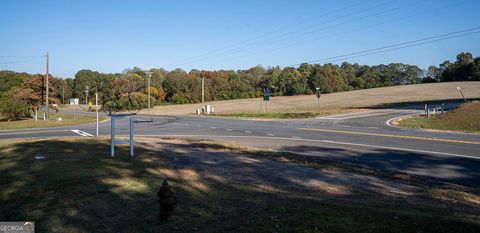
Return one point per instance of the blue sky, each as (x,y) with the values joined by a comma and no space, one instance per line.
(109,36)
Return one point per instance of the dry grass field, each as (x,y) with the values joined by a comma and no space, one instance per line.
(333,102)
(466,119)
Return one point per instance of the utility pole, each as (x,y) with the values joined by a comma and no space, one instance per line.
(460,90)
(86,95)
(148,90)
(63,95)
(96,110)
(46,90)
(203,91)
(318,94)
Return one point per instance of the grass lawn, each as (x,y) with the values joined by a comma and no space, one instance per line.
(466,118)
(67,119)
(79,188)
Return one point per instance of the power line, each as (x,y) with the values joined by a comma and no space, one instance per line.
(289,36)
(381,23)
(19,56)
(408,46)
(223,50)
(350,31)
(269,33)
(418,42)
(21,61)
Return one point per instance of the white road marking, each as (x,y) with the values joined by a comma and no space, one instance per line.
(351,117)
(389,122)
(296,137)
(228,129)
(373,127)
(213,127)
(186,124)
(248,132)
(269,134)
(346,126)
(324,141)
(82,133)
(400,149)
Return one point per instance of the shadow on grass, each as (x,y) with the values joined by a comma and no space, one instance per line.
(434,169)
(79,188)
(447,104)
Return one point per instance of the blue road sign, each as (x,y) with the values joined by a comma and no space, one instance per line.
(266,94)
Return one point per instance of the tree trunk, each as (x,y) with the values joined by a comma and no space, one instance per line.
(35,117)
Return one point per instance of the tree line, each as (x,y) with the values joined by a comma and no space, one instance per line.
(25,91)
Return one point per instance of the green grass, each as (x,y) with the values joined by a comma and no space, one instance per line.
(466,119)
(275,115)
(79,188)
(67,119)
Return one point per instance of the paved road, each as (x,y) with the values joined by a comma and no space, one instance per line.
(360,138)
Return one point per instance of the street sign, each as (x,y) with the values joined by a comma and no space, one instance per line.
(318,92)
(266,94)
(74,101)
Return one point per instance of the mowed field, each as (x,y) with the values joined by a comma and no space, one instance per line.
(342,100)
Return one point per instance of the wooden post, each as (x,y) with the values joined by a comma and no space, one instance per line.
(46,91)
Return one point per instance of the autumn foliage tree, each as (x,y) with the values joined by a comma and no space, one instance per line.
(11,108)
(179,86)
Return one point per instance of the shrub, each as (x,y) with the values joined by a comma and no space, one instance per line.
(179,99)
(137,101)
(13,110)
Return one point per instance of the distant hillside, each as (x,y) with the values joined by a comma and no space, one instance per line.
(351,99)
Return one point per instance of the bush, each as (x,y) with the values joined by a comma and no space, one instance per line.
(13,110)
(137,101)
(179,99)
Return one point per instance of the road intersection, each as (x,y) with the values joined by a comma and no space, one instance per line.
(361,138)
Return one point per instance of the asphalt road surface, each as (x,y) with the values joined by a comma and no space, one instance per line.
(361,138)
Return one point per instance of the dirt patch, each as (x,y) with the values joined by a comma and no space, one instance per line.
(220,187)
(286,172)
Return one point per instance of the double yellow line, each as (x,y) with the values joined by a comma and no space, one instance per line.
(391,136)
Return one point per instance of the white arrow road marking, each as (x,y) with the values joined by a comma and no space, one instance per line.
(82,133)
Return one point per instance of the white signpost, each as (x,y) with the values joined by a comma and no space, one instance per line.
(74,102)
(114,142)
